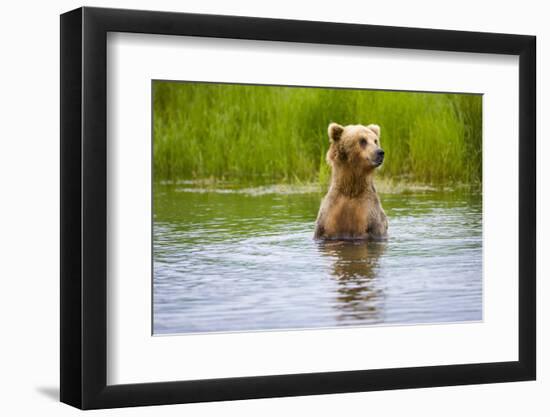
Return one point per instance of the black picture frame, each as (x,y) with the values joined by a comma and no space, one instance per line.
(84,207)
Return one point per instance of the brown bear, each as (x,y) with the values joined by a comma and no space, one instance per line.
(351,209)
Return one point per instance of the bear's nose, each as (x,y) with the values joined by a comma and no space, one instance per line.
(380,152)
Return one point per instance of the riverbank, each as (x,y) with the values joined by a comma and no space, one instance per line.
(383,186)
(245,132)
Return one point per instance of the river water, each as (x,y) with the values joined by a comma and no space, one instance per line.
(243,259)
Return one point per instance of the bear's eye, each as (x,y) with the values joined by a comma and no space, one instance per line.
(376,141)
(363,142)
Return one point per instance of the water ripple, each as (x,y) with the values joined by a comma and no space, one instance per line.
(240,261)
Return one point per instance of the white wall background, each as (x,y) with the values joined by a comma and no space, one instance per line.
(29,220)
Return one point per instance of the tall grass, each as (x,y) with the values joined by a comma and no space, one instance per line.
(264,133)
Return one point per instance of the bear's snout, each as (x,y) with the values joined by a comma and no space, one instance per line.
(379,156)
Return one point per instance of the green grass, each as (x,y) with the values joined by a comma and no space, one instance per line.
(279,134)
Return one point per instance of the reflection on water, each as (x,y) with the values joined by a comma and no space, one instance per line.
(241,260)
(354,265)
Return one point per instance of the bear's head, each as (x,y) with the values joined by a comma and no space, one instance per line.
(355,146)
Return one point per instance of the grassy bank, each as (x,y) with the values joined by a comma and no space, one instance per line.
(279,134)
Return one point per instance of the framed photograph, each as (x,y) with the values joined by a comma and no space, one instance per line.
(258,208)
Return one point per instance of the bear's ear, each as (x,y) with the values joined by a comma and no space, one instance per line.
(375,129)
(335,131)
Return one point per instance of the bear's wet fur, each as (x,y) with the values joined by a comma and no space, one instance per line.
(351,210)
